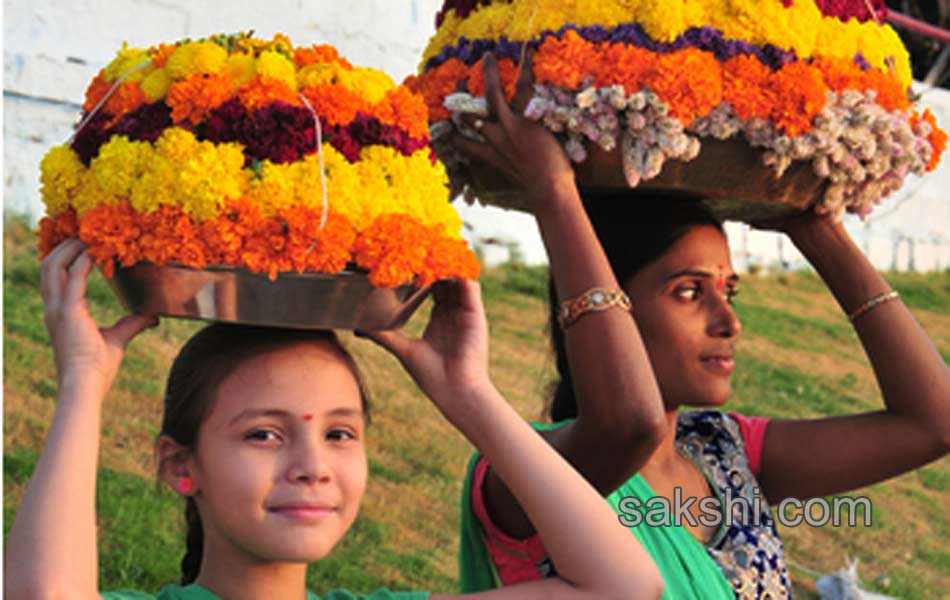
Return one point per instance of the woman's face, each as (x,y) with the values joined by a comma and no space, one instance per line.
(682,305)
(280,466)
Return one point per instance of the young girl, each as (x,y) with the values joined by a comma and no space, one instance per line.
(263,434)
(673,262)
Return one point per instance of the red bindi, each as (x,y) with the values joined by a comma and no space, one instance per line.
(308,417)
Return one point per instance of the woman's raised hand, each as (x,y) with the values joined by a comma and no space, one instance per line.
(450,360)
(523,150)
(84,352)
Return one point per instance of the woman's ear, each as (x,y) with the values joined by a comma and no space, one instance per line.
(175,465)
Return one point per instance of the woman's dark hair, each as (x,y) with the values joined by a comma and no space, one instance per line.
(634,230)
(204,362)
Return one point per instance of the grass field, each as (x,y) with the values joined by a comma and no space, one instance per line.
(798,358)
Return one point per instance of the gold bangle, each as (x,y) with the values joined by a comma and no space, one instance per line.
(593,300)
(873,303)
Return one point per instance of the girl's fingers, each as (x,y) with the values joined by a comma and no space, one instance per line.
(395,342)
(127,328)
(53,267)
(494,93)
(523,90)
(78,279)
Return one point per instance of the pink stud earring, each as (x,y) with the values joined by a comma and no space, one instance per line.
(186,485)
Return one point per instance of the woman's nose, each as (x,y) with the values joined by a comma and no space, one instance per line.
(724,322)
(308,463)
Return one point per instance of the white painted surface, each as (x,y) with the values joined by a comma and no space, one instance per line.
(53,48)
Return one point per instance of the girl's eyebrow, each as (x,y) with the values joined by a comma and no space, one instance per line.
(276,412)
(734,278)
(259,412)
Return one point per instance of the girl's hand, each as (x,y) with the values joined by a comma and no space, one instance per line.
(523,150)
(83,351)
(451,358)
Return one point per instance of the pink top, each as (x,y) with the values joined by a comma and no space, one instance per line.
(753,434)
(518,561)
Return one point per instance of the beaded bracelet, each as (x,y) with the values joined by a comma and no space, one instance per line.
(872,303)
(593,300)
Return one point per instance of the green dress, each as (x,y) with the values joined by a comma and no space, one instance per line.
(689,573)
(196,592)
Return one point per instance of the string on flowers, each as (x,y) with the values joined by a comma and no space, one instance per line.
(323,177)
(105,98)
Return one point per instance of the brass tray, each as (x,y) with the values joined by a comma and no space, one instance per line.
(296,301)
(728,176)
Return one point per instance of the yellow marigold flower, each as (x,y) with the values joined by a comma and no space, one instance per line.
(274,189)
(155,85)
(273,65)
(321,74)
(193,58)
(242,68)
(126,60)
(90,195)
(61,174)
(119,164)
(371,84)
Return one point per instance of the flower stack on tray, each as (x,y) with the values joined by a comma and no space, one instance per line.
(205,154)
(764,106)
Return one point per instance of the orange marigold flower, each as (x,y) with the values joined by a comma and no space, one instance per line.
(434,85)
(843,74)
(937,136)
(55,230)
(392,249)
(264,91)
(166,231)
(161,53)
(745,82)
(506,69)
(96,91)
(690,81)
(126,98)
(799,92)
(336,103)
(319,53)
(310,248)
(406,111)
(112,233)
(628,66)
(565,61)
(192,99)
(447,257)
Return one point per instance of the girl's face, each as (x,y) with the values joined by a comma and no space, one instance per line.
(280,466)
(683,307)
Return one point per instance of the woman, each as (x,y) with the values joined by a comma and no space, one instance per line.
(674,264)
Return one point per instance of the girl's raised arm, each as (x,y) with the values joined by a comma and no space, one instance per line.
(51,551)
(620,416)
(846,452)
(594,555)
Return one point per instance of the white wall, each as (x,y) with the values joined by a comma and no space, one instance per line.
(53,48)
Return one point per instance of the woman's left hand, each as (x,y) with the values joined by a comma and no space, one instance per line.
(523,150)
(451,357)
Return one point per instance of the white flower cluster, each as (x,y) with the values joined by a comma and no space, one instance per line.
(648,135)
(864,151)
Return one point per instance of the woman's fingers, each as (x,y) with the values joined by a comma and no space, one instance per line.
(523,89)
(483,153)
(495,94)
